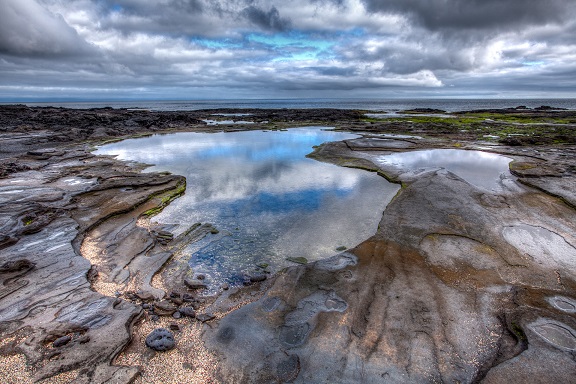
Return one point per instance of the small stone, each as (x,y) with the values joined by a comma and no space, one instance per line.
(174,327)
(176,300)
(262,265)
(146,306)
(188,297)
(195,284)
(200,277)
(225,286)
(161,340)
(175,295)
(176,315)
(204,317)
(341,248)
(187,311)
(155,318)
(214,231)
(61,341)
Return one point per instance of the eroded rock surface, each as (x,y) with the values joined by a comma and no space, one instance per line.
(459,284)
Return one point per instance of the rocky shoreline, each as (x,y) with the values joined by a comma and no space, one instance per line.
(457,285)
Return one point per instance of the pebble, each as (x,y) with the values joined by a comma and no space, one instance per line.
(188,297)
(177,300)
(176,315)
(187,311)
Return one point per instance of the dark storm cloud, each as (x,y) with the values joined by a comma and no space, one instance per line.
(269,48)
(477,14)
(270,20)
(27,29)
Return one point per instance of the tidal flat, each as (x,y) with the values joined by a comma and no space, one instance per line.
(468,273)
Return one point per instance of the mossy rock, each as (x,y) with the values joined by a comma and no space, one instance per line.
(298,260)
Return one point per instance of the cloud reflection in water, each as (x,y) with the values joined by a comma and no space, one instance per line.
(267,199)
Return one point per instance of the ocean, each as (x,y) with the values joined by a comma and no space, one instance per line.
(385,105)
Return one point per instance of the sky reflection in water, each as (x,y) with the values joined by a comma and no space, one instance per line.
(267,199)
(481,169)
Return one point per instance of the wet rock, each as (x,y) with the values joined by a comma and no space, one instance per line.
(195,284)
(294,335)
(17,266)
(257,277)
(61,341)
(6,240)
(160,340)
(204,317)
(187,311)
(164,308)
(288,369)
(298,260)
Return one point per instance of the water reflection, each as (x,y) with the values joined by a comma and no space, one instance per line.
(482,169)
(267,199)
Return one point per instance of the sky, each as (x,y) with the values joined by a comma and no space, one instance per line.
(229,49)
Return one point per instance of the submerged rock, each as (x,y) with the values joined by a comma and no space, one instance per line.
(257,277)
(298,260)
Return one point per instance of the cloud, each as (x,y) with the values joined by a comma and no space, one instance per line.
(28,29)
(270,20)
(266,48)
(477,14)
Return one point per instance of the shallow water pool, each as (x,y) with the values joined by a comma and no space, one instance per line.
(268,201)
(481,169)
